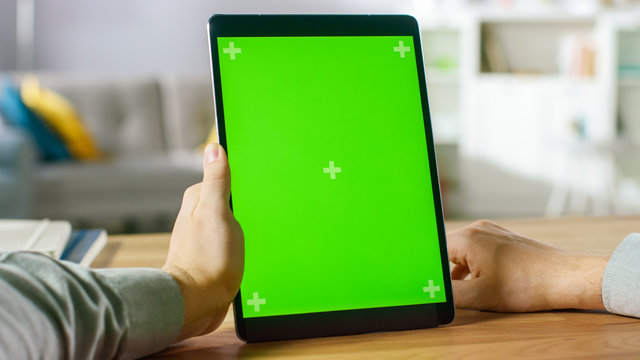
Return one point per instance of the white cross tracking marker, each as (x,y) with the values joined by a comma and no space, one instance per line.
(232,50)
(430,289)
(256,302)
(332,170)
(401,48)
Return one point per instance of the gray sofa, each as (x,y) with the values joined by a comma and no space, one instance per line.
(150,127)
(16,173)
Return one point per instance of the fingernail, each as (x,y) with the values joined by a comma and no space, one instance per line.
(211,153)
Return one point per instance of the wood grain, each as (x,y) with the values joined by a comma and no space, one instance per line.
(473,335)
(147,250)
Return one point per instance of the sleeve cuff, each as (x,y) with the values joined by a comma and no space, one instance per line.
(154,307)
(621,279)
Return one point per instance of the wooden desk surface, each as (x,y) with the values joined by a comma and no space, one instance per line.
(472,335)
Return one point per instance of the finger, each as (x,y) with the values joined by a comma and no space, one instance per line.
(216,181)
(456,248)
(459,272)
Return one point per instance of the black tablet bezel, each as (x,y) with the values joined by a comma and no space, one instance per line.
(348,321)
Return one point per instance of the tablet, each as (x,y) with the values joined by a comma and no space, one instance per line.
(333,174)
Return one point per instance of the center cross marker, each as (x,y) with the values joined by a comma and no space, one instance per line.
(332,170)
(431,289)
(232,50)
(401,48)
(256,302)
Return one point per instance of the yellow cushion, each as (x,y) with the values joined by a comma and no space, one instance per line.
(61,116)
(213,136)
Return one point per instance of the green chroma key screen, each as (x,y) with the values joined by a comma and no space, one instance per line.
(330,173)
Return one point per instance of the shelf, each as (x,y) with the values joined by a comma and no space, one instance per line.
(534,78)
(511,78)
(635,82)
(445,142)
(435,78)
(555,17)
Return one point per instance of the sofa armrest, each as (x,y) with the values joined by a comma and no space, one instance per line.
(17,167)
(15,148)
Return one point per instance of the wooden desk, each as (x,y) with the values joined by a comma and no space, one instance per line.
(473,334)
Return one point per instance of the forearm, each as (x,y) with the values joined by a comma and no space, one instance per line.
(58,310)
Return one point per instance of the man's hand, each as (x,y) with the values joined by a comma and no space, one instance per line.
(496,269)
(206,255)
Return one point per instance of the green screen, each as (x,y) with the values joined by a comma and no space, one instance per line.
(330,173)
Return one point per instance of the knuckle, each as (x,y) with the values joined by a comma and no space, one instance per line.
(192,190)
(214,173)
(210,209)
(215,182)
(483,223)
(470,232)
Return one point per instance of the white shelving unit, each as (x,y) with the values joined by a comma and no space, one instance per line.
(535,116)
(628,76)
(441,44)
(441,47)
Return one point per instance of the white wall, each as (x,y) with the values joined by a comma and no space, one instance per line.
(151,36)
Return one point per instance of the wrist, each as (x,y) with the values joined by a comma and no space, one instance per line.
(204,307)
(576,282)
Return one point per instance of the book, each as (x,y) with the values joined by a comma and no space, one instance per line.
(52,238)
(45,236)
(493,58)
(84,246)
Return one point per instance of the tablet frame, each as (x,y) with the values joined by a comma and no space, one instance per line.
(342,322)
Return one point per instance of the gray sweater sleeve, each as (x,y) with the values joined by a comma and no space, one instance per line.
(58,310)
(621,280)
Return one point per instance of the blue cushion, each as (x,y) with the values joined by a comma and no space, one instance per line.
(50,147)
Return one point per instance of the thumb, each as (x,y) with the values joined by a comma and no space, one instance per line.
(216,181)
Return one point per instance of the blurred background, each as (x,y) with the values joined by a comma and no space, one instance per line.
(535,104)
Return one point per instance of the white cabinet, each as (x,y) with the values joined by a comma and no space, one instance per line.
(547,97)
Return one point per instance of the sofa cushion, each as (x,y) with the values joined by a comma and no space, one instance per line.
(17,114)
(10,191)
(128,187)
(123,114)
(188,109)
(16,174)
(61,116)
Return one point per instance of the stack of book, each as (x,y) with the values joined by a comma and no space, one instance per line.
(53,238)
